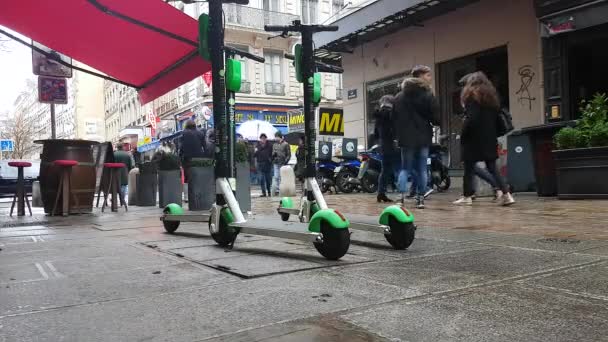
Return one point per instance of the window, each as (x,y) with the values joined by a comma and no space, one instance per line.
(272,73)
(336,7)
(309,11)
(271,5)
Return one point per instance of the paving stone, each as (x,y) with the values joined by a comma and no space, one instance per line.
(504,313)
(460,270)
(589,280)
(556,244)
(203,313)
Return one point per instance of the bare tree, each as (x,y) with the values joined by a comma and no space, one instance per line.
(21,130)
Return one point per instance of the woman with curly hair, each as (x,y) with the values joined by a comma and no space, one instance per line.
(479,135)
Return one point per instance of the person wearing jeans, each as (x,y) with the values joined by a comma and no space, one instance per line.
(415,113)
(281,154)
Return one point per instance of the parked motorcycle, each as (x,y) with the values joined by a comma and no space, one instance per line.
(369,171)
(326,176)
(344,173)
(439,160)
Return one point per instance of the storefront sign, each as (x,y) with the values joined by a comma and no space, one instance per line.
(275,118)
(90,127)
(351,94)
(560,25)
(52,90)
(331,121)
(296,121)
(152,120)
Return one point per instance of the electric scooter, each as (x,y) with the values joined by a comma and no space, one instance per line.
(327,229)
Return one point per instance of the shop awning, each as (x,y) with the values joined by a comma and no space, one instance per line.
(378,19)
(110,36)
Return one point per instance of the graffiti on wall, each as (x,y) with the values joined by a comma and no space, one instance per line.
(525,97)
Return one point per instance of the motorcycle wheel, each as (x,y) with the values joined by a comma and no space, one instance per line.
(342,181)
(324,187)
(369,185)
(444,185)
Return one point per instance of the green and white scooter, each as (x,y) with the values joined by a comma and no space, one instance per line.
(395,221)
(327,229)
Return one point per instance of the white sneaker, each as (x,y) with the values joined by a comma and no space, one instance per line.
(464,201)
(498,195)
(507,199)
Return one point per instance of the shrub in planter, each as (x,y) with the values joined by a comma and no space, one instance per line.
(582,155)
(169,180)
(201,184)
(243,179)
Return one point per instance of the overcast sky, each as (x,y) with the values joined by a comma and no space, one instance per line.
(15,68)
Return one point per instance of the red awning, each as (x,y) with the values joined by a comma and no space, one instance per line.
(87,32)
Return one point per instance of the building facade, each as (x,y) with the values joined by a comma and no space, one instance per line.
(268,90)
(454,41)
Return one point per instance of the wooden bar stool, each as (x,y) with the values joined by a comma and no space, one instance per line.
(20,196)
(65,186)
(114,187)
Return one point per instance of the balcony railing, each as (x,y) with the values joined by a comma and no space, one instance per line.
(245,87)
(275,89)
(255,18)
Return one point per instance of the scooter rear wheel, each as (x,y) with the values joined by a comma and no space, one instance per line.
(335,242)
(170,226)
(402,234)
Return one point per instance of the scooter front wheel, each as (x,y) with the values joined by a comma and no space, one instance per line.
(224,235)
(402,234)
(335,242)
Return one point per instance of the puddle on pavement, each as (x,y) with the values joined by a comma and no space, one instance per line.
(322,329)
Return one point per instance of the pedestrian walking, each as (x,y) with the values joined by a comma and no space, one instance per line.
(384,134)
(122,156)
(263,158)
(192,146)
(281,154)
(300,168)
(479,135)
(415,113)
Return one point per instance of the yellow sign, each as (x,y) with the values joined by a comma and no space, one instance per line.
(147,140)
(555,112)
(331,121)
(296,121)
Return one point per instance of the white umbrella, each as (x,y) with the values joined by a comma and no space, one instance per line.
(252,129)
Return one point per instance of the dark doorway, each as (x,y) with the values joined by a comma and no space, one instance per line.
(587,65)
(374,91)
(495,64)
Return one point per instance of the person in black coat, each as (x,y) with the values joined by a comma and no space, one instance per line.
(192,145)
(384,134)
(415,113)
(479,135)
(263,157)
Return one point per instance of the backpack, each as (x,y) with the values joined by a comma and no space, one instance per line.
(505,123)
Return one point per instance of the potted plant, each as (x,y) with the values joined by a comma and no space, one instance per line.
(201,184)
(582,154)
(147,183)
(169,180)
(243,176)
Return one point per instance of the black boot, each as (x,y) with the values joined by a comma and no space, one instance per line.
(382,198)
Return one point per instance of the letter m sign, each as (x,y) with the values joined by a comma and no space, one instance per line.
(331,121)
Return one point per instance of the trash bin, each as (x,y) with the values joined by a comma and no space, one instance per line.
(520,165)
(541,140)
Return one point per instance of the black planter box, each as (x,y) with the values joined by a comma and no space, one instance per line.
(201,188)
(169,187)
(582,173)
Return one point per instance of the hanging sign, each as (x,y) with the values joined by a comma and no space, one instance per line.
(47,65)
(207,78)
(52,90)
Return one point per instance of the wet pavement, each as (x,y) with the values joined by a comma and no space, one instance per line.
(537,271)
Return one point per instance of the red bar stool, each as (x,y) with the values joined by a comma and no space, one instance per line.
(114,187)
(65,186)
(20,195)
